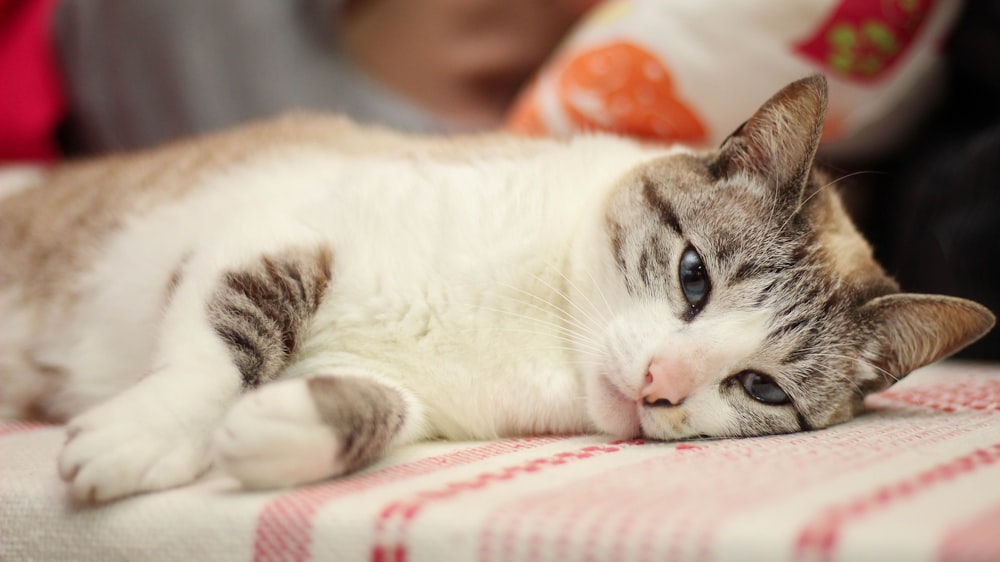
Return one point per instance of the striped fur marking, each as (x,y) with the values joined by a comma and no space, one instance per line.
(261,311)
(364,415)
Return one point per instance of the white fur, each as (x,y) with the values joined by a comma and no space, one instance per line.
(483,287)
(455,312)
(483,333)
(274,437)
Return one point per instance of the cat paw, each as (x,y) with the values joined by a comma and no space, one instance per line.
(123,448)
(274,437)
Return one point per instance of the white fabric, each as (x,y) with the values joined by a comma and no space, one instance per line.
(917,478)
(715,61)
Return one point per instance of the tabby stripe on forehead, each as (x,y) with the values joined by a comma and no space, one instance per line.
(644,267)
(808,342)
(618,243)
(663,208)
(744,271)
(261,311)
(788,327)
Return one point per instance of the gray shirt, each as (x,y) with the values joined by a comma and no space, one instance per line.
(141,72)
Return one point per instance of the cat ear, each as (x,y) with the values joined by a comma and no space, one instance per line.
(779,142)
(913,330)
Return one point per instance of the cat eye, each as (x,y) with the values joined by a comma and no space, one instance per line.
(694,279)
(762,388)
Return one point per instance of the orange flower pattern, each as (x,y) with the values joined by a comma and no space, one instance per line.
(618,87)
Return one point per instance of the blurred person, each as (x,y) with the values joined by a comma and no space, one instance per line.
(140,73)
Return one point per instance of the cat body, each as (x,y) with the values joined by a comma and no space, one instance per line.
(292,299)
(425,268)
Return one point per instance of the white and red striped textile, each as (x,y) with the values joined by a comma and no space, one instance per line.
(917,478)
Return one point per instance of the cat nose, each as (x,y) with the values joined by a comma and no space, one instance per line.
(668,382)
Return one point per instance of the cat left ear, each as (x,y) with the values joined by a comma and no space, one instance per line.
(913,330)
(778,143)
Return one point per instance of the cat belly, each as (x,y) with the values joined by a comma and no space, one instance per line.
(470,392)
(497,386)
(485,359)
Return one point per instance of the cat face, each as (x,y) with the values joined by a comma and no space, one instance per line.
(744,301)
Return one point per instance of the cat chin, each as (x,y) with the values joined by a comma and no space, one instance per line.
(664,425)
(612,411)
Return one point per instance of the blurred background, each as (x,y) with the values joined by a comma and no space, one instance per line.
(914,120)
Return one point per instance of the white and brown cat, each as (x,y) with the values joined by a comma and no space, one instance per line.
(291,299)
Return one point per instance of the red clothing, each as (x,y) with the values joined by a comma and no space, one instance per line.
(32,102)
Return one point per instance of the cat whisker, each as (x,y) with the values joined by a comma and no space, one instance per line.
(556,290)
(608,310)
(820,189)
(577,353)
(543,323)
(865,362)
(601,316)
(842,376)
(582,354)
(582,345)
(877,369)
(548,307)
(828,347)
(594,357)
(773,210)
(569,324)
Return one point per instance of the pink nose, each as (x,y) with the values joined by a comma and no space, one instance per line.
(668,382)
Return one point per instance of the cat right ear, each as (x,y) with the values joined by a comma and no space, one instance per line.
(778,143)
(912,330)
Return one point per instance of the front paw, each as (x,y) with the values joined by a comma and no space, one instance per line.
(274,437)
(121,448)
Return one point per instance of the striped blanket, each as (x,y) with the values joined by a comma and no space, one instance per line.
(917,478)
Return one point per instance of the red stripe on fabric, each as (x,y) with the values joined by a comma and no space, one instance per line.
(21,427)
(284,526)
(611,504)
(819,538)
(393,523)
(673,504)
(981,394)
(975,539)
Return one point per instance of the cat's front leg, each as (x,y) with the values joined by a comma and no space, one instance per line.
(230,325)
(152,436)
(307,429)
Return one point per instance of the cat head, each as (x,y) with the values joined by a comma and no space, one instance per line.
(741,299)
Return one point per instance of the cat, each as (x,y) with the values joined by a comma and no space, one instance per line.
(290,300)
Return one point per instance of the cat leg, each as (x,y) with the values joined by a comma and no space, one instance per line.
(308,429)
(151,436)
(227,328)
